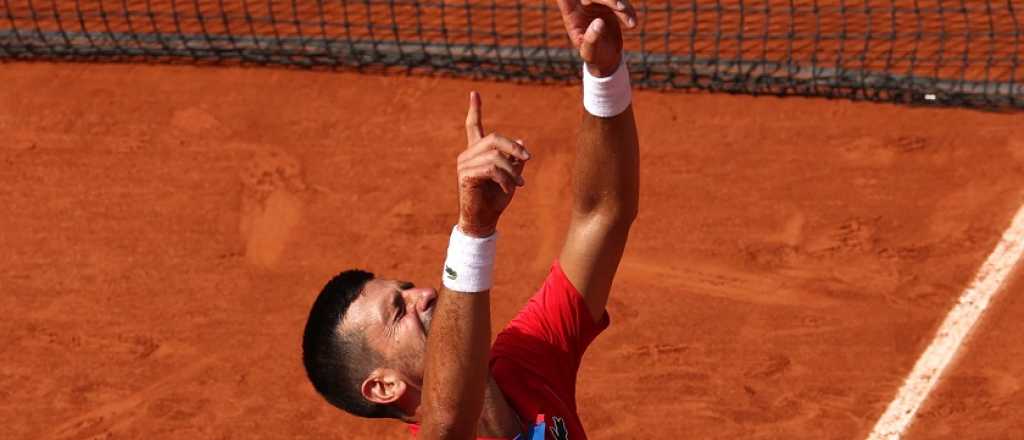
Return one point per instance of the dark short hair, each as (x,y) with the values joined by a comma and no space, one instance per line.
(337,363)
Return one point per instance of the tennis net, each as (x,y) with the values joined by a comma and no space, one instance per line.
(942,52)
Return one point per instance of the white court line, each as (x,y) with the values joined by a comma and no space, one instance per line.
(929,368)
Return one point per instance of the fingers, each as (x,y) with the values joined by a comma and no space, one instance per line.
(501,172)
(503,144)
(492,157)
(499,159)
(495,158)
(502,178)
(590,37)
(474,120)
(623,10)
(496,167)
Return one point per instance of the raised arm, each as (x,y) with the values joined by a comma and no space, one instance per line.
(606,174)
(456,372)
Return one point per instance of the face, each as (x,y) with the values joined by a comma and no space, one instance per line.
(395,317)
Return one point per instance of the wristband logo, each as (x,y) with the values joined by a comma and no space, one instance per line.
(452,275)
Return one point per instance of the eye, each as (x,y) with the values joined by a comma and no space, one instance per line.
(399,308)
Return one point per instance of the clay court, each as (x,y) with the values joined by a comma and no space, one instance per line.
(165,229)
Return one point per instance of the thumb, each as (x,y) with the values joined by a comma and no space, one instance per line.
(590,37)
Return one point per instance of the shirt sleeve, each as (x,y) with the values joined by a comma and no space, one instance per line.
(552,331)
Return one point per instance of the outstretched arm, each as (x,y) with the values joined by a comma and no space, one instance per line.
(456,373)
(606,174)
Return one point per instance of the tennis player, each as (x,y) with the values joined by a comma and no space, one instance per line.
(384,348)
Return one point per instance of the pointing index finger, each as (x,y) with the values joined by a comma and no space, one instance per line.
(474,121)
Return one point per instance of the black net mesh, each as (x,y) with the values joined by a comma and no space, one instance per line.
(945,52)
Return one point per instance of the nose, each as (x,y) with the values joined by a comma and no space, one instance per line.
(426,296)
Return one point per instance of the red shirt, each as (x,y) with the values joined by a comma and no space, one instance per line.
(534,360)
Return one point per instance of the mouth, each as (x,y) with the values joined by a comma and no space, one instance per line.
(427,315)
(425,319)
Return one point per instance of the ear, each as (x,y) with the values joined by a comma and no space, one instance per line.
(383,386)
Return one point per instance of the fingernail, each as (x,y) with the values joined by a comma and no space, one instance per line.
(598,24)
(522,143)
(631,21)
(620,6)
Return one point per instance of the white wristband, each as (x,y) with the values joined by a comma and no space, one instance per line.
(608,96)
(469,267)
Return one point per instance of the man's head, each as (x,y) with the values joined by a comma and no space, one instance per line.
(364,344)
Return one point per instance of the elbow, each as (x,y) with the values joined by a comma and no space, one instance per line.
(621,213)
(631,212)
(624,216)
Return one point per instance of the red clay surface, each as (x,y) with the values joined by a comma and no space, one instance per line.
(165,229)
(982,396)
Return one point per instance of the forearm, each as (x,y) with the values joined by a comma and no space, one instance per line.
(606,175)
(456,365)
(455,376)
(457,344)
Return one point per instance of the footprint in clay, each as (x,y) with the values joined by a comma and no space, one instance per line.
(272,205)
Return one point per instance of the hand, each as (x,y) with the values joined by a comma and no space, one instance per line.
(595,28)
(490,169)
